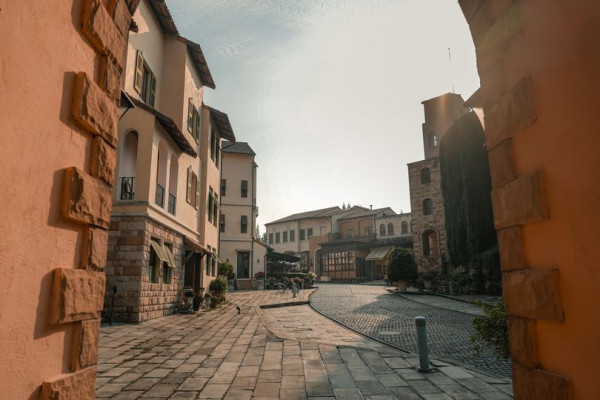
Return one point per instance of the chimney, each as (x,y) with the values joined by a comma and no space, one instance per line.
(371,205)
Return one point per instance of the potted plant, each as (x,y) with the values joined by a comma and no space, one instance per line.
(218,286)
(401,268)
(198,298)
(271,283)
(207,299)
(259,277)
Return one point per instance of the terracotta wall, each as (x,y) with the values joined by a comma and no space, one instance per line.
(539,64)
(358,226)
(60,74)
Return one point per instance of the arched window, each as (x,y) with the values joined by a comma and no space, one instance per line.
(390,229)
(430,243)
(161,174)
(427,207)
(404,227)
(127,166)
(382,230)
(425,175)
(433,142)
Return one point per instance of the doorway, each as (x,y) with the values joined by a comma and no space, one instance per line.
(243,265)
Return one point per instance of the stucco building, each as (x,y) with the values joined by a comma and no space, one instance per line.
(424,177)
(239,211)
(164,222)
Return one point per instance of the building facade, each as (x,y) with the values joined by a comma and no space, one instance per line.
(427,203)
(164,226)
(239,211)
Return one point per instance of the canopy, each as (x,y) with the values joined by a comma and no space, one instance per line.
(274,256)
(163,253)
(379,253)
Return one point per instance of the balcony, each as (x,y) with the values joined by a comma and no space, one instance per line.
(159,198)
(171,204)
(126,184)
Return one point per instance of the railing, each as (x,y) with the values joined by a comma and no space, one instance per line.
(159,198)
(171,204)
(127,187)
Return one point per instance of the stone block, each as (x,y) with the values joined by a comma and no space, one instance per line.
(103,161)
(533,293)
(469,8)
(86,339)
(98,26)
(77,386)
(132,5)
(529,383)
(85,199)
(94,110)
(121,14)
(511,247)
(520,201)
(77,295)
(93,249)
(513,112)
(110,78)
(481,22)
(523,348)
(502,168)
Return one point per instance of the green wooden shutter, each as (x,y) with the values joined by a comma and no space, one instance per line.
(139,71)
(188,192)
(197,126)
(152,90)
(197,193)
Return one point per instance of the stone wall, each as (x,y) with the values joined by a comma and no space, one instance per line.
(137,299)
(436,221)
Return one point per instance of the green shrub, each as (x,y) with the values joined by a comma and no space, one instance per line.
(401,266)
(218,285)
(226,270)
(491,331)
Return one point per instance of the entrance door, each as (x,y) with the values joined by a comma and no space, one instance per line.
(243,265)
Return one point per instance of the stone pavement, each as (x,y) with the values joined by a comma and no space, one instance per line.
(284,352)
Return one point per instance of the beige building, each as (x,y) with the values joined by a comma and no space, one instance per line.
(164,227)
(239,211)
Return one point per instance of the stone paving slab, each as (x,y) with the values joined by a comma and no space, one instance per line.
(288,353)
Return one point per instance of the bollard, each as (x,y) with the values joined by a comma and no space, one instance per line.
(294,289)
(421,323)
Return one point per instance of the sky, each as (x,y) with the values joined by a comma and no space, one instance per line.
(328,92)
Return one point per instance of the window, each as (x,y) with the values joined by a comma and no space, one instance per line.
(222,223)
(244,224)
(223,187)
(292,236)
(214,266)
(193,120)
(425,176)
(270,238)
(244,188)
(192,194)
(153,266)
(382,230)
(215,209)
(166,273)
(309,232)
(390,229)
(285,236)
(210,205)
(302,234)
(427,207)
(277,237)
(404,227)
(208,264)
(350,233)
(368,231)
(433,142)
(144,81)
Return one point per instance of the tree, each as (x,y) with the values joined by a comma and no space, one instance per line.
(401,266)
(226,270)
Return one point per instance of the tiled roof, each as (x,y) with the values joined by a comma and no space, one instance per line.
(164,16)
(324,212)
(237,147)
(200,63)
(223,124)
(366,213)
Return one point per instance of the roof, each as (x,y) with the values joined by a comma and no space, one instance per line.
(437,98)
(324,212)
(223,124)
(379,253)
(200,62)
(164,16)
(237,147)
(366,213)
(274,256)
(170,126)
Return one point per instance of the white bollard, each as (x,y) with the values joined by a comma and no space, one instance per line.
(421,323)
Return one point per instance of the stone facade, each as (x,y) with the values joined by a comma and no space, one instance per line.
(128,268)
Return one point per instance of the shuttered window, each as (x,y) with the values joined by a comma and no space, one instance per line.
(244,188)
(139,71)
(244,224)
(190,118)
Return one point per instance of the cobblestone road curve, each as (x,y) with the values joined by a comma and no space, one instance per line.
(372,310)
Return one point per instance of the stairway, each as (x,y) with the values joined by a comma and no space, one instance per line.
(244,284)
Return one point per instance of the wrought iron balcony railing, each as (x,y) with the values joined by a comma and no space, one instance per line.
(127,187)
(159,198)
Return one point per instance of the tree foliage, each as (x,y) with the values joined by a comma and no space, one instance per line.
(401,266)
(466,188)
(226,270)
(491,331)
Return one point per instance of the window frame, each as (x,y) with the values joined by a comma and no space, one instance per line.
(244,188)
(244,224)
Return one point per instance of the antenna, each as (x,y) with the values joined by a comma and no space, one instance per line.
(450,60)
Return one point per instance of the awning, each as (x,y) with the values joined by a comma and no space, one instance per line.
(379,253)
(159,250)
(169,256)
(195,245)
(274,256)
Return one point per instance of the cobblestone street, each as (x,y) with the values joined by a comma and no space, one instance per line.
(372,310)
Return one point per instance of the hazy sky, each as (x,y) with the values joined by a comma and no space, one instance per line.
(328,92)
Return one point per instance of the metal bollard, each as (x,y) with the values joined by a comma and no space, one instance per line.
(421,323)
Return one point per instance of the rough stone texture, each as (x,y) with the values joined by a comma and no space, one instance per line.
(512,252)
(523,347)
(77,386)
(93,249)
(99,28)
(502,168)
(481,22)
(119,9)
(132,5)
(507,26)
(103,161)
(520,201)
(86,339)
(86,199)
(540,384)
(514,111)
(469,8)
(94,110)
(110,78)
(533,293)
(76,295)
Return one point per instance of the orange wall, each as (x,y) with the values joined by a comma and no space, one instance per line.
(41,51)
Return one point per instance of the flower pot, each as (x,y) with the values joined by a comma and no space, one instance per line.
(402,285)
